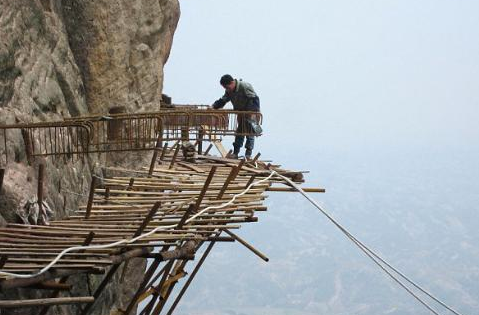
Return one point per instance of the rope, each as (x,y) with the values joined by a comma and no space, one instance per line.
(378,260)
(374,256)
(129,241)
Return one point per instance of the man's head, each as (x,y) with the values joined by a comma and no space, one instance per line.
(228,83)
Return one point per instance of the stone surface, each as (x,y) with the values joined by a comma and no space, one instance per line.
(62,58)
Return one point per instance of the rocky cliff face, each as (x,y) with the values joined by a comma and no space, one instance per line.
(68,58)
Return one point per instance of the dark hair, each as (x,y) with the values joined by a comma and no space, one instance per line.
(226,79)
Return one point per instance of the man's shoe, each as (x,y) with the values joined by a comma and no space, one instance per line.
(248,154)
(233,156)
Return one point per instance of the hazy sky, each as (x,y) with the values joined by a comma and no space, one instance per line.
(348,72)
(379,99)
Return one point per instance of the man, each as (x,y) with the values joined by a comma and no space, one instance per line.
(244,98)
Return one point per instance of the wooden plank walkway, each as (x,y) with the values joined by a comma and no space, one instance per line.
(181,206)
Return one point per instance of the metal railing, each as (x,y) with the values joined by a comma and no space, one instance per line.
(45,139)
(125,132)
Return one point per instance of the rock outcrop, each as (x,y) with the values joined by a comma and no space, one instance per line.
(63,58)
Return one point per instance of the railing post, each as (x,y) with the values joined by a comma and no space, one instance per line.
(41,210)
(201,134)
(2,174)
(90,197)
(28,145)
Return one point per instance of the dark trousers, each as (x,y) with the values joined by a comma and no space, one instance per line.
(239,140)
(243,127)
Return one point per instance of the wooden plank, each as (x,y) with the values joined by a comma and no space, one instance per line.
(221,149)
(43,302)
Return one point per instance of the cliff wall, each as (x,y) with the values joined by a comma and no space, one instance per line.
(63,58)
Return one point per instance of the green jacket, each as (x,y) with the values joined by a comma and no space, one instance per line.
(243,98)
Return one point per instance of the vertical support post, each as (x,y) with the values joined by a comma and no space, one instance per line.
(231,177)
(185,134)
(191,277)
(256,157)
(173,159)
(130,185)
(2,175)
(5,146)
(160,133)
(147,219)
(205,188)
(208,149)
(3,260)
(155,156)
(90,197)
(41,174)
(64,203)
(149,273)
(140,230)
(114,268)
(28,145)
(250,181)
(107,194)
(166,273)
(163,152)
(201,134)
(174,145)
(56,293)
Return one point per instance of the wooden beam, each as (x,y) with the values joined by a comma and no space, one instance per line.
(163,151)
(221,149)
(115,267)
(155,156)
(51,285)
(306,189)
(44,302)
(41,173)
(201,134)
(205,188)
(90,197)
(231,177)
(191,277)
(154,265)
(208,149)
(64,279)
(2,174)
(247,245)
(52,274)
(173,159)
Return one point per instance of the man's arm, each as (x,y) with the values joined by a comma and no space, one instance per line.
(220,103)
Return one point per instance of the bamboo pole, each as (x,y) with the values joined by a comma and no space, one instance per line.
(45,302)
(90,197)
(2,174)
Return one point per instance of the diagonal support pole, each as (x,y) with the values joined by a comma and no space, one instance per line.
(154,265)
(192,276)
(166,274)
(115,267)
(247,245)
(155,156)
(205,188)
(181,265)
(64,279)
(231,177)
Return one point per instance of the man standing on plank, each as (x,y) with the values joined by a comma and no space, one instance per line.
(243,97)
